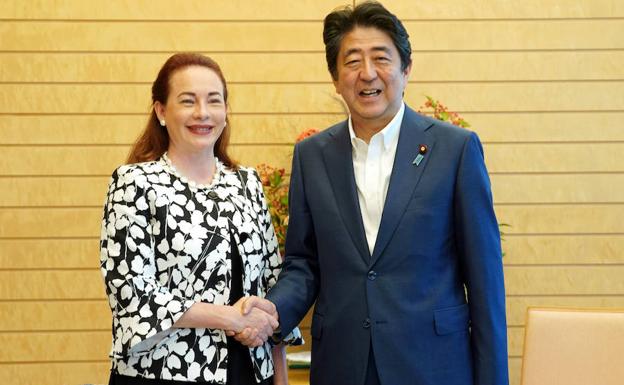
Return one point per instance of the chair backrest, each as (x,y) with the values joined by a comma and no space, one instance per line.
(573,347)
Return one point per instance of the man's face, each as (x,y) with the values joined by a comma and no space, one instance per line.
(370,79)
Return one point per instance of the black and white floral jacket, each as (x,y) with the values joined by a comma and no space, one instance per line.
(166,244)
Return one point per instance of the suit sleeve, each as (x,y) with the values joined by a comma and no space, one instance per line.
(479,247)
(272,258)
(297,286)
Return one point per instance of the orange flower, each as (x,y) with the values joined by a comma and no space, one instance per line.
(306,134)
(439,111)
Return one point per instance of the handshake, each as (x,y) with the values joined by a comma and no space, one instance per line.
(255,321)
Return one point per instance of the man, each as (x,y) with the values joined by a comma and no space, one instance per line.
(392,230)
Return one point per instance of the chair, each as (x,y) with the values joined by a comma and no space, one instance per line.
(573,347)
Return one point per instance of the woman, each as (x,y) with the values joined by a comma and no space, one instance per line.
(186,235)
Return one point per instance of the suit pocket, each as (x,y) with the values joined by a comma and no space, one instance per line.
(451,319)
(317,326)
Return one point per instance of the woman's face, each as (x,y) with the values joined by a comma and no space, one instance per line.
(195,110)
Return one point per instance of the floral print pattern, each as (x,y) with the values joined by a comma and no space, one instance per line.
(166,244)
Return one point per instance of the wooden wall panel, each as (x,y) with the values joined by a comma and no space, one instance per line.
(576,249)
(143,67)
(555,157)
(52,346)
(562,249)
(529,96)
(282,67)
(515,367)
(514,34)
(47,253)
(523,158)
(309,9)
(549,219)
(547,126)
(316,98)
(113,98)
(503,127)
(95,372)
(102,160)
(70,129)
(520,280)
(302,35)
(540,81)
(27,191)
(163,36)
(557,188)
(55,316)
(124,129)
(487,9)
(515,341)
(527,219)
(449,66)
(53,191)
(61,160)
(163,9)
(51,285)
(69,222)
(565,280)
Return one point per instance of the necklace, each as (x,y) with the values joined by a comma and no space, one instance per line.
(192,184)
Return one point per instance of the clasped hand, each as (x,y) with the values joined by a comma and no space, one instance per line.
(257,322)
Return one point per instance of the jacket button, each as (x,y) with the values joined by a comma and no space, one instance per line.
(372,275)
(366,324)
(212,195)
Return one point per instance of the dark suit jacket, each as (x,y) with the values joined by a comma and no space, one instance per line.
(430,300)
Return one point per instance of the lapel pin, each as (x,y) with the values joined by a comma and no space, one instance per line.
(422,150)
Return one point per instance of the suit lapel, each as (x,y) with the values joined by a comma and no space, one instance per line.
(339,166)
(405,176)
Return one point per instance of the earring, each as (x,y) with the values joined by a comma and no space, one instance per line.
(162,122)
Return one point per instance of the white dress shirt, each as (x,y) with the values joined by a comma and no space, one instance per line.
(372,165)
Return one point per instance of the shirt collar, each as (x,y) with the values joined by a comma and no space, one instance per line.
(389,134)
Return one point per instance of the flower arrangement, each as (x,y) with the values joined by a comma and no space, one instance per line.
(276,186)
(306,134)
(439,111)
(276,193)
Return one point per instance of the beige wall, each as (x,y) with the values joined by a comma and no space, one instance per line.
(542,82)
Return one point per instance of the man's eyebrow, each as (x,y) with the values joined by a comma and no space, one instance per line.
(351,51)
(380,48)
(188,93)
